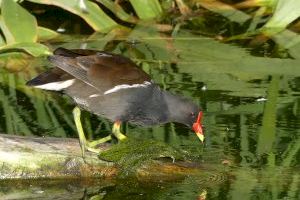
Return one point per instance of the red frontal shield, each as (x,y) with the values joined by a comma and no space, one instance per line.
(197,127)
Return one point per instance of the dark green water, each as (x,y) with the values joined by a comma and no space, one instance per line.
(252,117)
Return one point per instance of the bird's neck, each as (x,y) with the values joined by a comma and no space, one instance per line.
(173,101)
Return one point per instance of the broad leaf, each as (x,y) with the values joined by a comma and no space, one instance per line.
(146,9)
(286,12)
(17,24)
(46,34)
(118,11)
(34,49)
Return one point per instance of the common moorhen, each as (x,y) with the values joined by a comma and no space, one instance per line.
(113,86)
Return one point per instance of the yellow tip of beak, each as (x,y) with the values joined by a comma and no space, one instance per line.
(200,136)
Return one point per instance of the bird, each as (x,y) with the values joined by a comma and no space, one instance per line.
(113,86)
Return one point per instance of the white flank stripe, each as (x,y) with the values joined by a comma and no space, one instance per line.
(56,85)
(126,86)
(104,55)
(94,95)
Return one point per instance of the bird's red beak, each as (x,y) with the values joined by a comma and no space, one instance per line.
(197,127)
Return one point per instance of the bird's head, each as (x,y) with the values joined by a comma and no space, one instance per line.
(186,112)
(193,119)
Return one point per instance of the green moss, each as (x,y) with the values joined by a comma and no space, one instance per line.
(27,150)
(132,153)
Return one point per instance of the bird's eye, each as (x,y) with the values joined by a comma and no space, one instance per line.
(193,114)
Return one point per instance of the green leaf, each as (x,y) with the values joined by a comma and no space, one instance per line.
(267,135)
(118,10)
(287,39)
(90,12)
(46,34)
(286,12)
(147,9)
(225,10)
(34,49)
(17,24)
(8,37)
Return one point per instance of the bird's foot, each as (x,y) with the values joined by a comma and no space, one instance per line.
(84,144)
(117,132)
(92,145)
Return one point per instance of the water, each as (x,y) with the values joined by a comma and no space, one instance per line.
(251,119)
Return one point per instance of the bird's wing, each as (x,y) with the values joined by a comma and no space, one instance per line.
(99,69)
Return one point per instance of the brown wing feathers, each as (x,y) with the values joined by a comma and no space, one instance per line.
(98,69)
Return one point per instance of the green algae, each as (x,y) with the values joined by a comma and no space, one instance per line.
(133,153)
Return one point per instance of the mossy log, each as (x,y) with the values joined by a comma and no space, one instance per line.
(56,158)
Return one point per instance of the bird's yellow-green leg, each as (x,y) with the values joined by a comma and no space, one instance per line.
(117,132)
(84,144)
